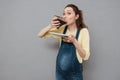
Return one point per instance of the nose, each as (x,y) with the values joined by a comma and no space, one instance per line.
(64,17)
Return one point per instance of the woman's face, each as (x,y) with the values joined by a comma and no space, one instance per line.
(69,16)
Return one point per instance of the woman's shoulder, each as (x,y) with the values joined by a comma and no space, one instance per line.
(84,30)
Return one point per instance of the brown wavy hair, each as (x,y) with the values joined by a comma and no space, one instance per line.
(79,22)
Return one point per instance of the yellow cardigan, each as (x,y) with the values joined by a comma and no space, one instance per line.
(83,39)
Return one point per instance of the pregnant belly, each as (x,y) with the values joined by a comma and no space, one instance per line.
(65,61)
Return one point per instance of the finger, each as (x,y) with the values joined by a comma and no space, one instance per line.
(71,35)
(66,38)
(54,18)
(67,41)
(54,22)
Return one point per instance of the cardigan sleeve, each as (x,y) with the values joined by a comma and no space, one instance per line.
(60,30)
(86,43)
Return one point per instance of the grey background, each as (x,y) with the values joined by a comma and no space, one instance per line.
(24,56)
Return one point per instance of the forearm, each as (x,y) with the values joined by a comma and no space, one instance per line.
(53,24)
(44,31)
(81,51)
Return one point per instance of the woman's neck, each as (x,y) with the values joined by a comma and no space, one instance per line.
(72,28)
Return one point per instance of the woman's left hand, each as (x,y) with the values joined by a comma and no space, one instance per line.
(69,39)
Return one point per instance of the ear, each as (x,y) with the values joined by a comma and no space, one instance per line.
(77,16)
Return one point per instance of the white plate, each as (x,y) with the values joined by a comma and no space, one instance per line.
(59,34)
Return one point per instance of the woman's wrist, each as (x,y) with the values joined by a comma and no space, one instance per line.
(49,26)
(74,41)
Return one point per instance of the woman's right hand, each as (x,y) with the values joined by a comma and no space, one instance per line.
(54,22)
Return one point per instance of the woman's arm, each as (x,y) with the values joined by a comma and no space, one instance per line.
(80,50)
(54,23)
(83,48)
(44,31)
(72,39)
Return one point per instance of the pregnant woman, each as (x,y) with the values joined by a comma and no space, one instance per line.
(74,48)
